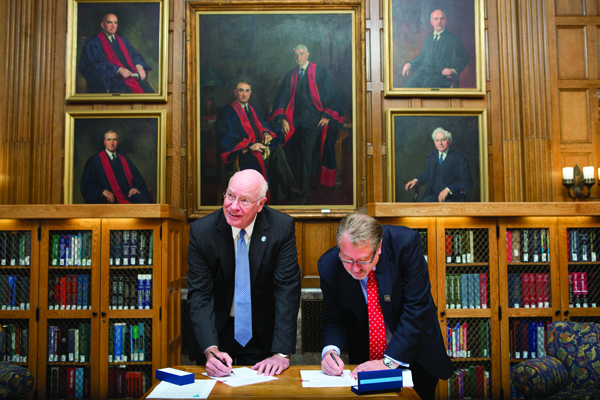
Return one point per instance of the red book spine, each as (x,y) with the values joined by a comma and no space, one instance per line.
(483,290)
(69,291)
(509,246)
(70,383)
(448,247)
(479,373)
(73,292)
(539,289)
(546,291)
(63,292)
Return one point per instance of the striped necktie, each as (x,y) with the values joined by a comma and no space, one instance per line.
(242,303)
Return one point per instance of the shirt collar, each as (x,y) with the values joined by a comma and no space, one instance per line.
(236,231)
(305,66)
(438,33)
(445,153)
(109,37)
(111,155)
(243,105)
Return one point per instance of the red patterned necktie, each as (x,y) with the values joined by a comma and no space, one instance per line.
(377,342)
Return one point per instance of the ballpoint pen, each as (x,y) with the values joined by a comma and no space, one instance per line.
(222,362)
(336,363)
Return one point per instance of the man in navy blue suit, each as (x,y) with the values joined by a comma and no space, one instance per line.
(447,171)
(413,338)
(442,58)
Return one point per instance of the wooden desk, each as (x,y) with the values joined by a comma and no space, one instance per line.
(289,387)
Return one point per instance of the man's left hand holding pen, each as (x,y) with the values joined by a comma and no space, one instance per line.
(217,363)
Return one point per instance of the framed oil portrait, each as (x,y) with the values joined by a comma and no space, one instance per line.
(115,157)
(117,51)
(292,71)
(437,155)
(434,48)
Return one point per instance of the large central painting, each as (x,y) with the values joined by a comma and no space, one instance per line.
(277,92)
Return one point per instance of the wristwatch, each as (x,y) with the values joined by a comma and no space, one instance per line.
(388,362)
(283,355)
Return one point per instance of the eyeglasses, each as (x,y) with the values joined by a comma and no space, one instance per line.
(357,262)
(244,202)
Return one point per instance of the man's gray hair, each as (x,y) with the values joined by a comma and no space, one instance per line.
(361,229)
(445,132)
(244,81)
(300,47)
(111,131)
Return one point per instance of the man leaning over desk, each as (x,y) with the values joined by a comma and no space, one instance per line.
(243,282)
(378,300)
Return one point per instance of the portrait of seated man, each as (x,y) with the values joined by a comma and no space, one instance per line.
(110,64)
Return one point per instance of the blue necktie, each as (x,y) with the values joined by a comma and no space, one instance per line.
(243,305)
(441,158)
(301,73)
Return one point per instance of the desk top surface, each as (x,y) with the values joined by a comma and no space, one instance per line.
(289,386)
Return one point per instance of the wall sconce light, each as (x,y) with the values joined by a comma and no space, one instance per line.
(574,180)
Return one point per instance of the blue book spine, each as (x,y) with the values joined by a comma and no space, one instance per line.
(148,292)
(118,342)
(476,291)
(84,239)
(71,345)
(85,297)
(140,292)
(62,250)
(26,289)
(142,351)
(126,244)
(133,248)
(79,247)
(79,292)
(69,249)
(51,343)
(464,288)
(118,250)
(123,342)
(471,285)
(12,298)
(79,383)
(532,340)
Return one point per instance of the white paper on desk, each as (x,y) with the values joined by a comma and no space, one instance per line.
(200,389)
(407,378)
(243,376)
(316,378)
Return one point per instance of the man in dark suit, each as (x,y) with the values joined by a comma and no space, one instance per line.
(446,173)
(377,272)
(243,282)
(442,58)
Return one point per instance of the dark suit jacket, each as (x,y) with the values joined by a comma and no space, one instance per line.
(274,280)
(455,169)
(410,314)
(451,54)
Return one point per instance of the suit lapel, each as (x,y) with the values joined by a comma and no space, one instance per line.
(224,244)
(257,245)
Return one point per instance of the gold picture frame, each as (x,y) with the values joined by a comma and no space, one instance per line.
(234,40)
(92,62)
(141,141)
(458,66)
(410,149)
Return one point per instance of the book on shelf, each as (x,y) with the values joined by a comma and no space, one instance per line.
(71,383)
(449,249)
(464,290)
(126,244)
(509,245)
(133,248)
(516,245)
(535,244)
(525,245)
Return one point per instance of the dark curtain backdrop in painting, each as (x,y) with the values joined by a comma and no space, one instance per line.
(259,47)
(138,22)
(410,25)
(412,142)
(138,141)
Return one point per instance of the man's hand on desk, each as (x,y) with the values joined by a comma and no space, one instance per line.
(375,365)
(329,366)
(214,367)
(273,365)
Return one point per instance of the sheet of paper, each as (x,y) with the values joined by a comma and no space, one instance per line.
(407,378)
(243,376)
(316,378)
(200,389)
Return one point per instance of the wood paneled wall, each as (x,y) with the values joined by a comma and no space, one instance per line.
(542,96)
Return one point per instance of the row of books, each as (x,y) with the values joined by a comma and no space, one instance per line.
(14,292)
(528,245)
(459,248)
(16,345)
(123,384)
(528,338)
(529,290)
(470,383)
(578,290)
(71,249)
(69,292)
(130,248)
(15,248)
(466,291)
(69,383)
(126,343)
(468,339)
(582,244)
(69,345)
(127,293)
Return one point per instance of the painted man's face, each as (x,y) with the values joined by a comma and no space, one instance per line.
(301,57)
(438,20)
(441,142)
(243,92)
(109,24)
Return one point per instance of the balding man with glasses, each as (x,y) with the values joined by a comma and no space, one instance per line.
(243,282)
(378,301)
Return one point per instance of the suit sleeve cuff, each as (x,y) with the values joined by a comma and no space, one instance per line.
(329,348)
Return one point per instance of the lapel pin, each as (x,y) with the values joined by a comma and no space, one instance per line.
(387,298)
(262,239)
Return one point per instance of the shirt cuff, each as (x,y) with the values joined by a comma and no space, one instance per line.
(449,191)
(398,362)
(214,345)
(329,348)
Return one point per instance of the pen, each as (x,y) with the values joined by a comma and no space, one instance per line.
(222,362)
(336,363)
